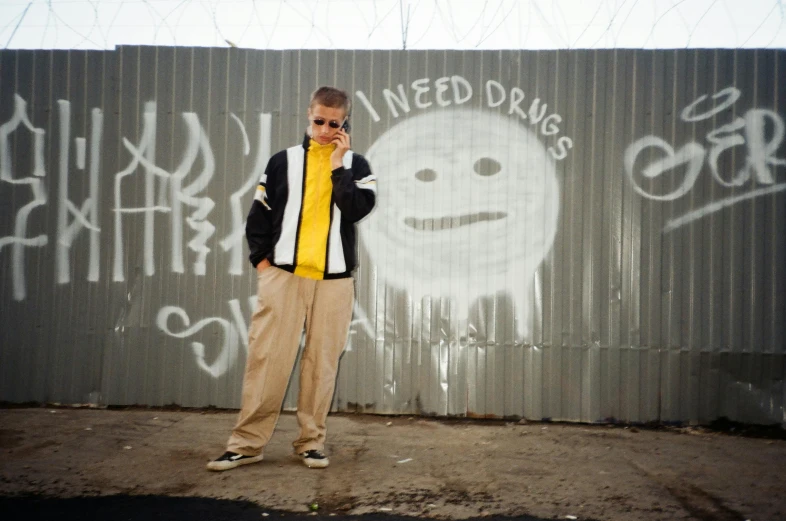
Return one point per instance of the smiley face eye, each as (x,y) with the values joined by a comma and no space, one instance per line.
(426,175)
(486,166)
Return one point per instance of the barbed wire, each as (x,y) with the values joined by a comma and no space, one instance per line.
(374,24)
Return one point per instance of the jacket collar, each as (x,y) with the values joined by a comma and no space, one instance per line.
(307,142)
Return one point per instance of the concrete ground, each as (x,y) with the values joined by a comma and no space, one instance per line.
(403,466)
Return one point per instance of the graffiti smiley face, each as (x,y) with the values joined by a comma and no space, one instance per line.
(461,185)
(467,207)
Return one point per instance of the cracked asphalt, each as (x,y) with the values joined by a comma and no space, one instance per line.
(72,463)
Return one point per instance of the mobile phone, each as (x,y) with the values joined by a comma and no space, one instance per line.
(345,127)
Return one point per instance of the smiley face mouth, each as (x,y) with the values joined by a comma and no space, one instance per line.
(450,222)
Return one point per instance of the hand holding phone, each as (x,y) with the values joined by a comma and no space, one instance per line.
(342,142)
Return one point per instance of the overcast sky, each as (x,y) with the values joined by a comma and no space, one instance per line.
(393,24)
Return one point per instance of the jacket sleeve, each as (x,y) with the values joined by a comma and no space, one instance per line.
(355,189)
(259,223)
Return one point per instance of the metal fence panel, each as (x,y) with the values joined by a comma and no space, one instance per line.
(590,235)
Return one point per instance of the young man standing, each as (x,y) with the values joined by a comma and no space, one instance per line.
(301,235)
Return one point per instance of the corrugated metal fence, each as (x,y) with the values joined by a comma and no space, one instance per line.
(575,235)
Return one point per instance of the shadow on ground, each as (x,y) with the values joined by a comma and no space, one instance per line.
(150,508)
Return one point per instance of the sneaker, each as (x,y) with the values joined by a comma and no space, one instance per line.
(314,459)
(230,460)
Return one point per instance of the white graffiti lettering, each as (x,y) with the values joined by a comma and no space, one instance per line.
(246,143)
(730,93)
(20,240)
(762,154)
(456,90)
(186,196)
(229,349)
(175,193)
(366,103)
(85,217)
(691,155)
(179,196)
(748,131)
(81,147)
(493,87)
(723,138)
(145,149)
(235,335)
(234,241)
(393,100)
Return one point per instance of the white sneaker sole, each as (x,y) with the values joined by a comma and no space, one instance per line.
(226,465)
(315,463)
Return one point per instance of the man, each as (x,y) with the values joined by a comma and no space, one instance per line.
(301,236)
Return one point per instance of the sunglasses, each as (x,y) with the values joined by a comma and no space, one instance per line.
(332,123)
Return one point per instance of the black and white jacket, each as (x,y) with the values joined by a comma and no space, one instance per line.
(273,225)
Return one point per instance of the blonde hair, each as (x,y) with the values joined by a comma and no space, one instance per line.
(330,97)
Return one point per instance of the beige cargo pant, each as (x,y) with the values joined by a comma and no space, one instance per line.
(285,302)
